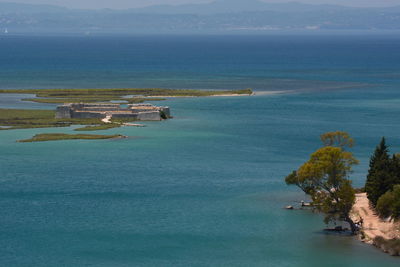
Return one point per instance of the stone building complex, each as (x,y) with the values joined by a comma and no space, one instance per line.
(140,112)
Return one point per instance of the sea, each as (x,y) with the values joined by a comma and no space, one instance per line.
(205,188)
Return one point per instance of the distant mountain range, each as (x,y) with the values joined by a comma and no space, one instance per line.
(9,8)
(221,16)
(234,6)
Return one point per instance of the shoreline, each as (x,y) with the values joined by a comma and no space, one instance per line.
(373,226)
(254,93)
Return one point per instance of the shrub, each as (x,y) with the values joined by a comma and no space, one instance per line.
(389,203)
(385,205)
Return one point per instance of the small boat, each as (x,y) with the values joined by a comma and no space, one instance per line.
(6,31)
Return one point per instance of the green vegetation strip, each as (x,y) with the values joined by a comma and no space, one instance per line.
(23,119)
(58,96)
(61,136)
(99,127)
(32,118)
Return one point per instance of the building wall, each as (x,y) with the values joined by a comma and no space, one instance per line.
(87,115)
(63,112)
(149,116)
(125,115)
(166,111)
(94,111)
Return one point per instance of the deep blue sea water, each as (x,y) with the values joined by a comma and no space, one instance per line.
(205,188)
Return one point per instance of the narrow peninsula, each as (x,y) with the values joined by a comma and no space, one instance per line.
(129,96)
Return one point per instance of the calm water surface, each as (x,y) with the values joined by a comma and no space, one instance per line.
(203,189)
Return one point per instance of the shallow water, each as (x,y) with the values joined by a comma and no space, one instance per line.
(205,188)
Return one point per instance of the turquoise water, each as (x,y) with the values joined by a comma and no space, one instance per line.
(203,189)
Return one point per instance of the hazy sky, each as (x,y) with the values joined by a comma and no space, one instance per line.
(138,3)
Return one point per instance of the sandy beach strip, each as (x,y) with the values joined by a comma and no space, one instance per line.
(373,225)
(255,93)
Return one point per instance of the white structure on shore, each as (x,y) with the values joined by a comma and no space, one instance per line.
(140,112)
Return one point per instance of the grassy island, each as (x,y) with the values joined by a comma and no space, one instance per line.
(104,126)
(133,95)
(22,119)
(61,136)
(26,118)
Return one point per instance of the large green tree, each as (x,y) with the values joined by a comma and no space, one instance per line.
(338,139)
(324,177)
(382,174)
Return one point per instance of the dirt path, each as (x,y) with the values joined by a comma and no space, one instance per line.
(107,119)
(372,225)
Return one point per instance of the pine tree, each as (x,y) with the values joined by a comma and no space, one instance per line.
(396,169)
(380,174)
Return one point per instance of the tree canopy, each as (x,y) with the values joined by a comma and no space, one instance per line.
(383,173)
(324,177)
(338,139)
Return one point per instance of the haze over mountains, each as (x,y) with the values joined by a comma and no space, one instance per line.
(233,6)
(227,16)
